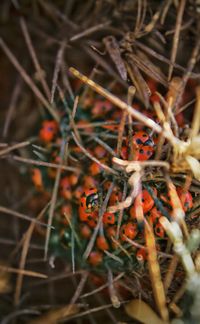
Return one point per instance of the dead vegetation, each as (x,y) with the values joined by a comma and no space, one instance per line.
(113,48)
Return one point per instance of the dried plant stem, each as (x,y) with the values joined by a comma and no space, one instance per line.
(191,64)
(40,72)
(113,295)
(161,138)
(114,257)
(87,88)
(95,291)
(120,132)
(196,116)
(138,23)
(140,246)
(100,219)
(55,278)
(179,293)
(6,210)
(121,212)
(134,165)
(148,28)
(104,145)
(89,312)
(137,79)
(122,105)
(53,199)
(65,80)
(59,59)
(104,166)
(26,242)
(113,50)
(24,272)
(116,101)
(170,273)
(118,245)
(56,315)
(178,213)
(14,147)
(89,31)
(177,311)
(162,58)
(106,66)
(79,288)
(12,106)
(45,164)
(154,269)
(132,147)
(176,36)
(75,106)
(165,11)
(28,80)
(174,232)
